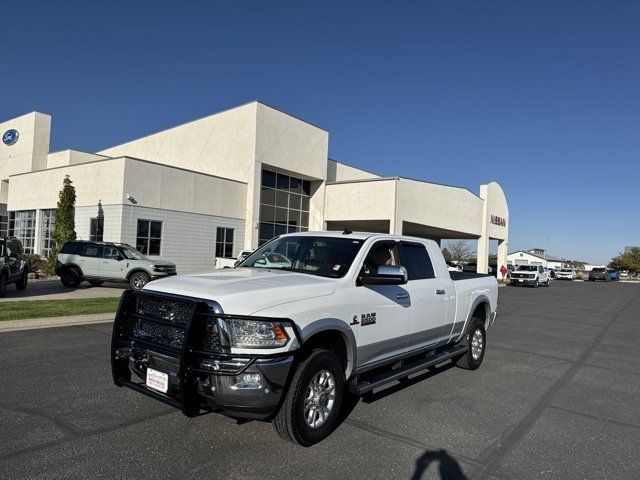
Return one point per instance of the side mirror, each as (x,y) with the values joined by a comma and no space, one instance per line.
(386,275)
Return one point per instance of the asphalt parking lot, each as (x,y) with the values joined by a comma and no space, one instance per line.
(557,397)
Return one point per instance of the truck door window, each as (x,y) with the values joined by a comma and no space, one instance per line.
(379,255)
(415,259)
(92,251)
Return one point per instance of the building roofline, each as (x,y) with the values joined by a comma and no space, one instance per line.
(79,151)
(25,114)
(126,157)
(211,115)
(352,166)
(402,178)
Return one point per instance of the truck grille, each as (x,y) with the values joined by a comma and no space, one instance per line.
(160,321)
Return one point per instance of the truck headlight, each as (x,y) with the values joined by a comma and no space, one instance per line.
(256,334)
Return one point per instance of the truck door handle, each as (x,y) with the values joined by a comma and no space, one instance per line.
(440,291)
(402,296)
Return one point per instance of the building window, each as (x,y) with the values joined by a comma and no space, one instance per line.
(48,223)
(284,205)
(224,242)
(149,237)
(96,230)
(4,225)
(22,225)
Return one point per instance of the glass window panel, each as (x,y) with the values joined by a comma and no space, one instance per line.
(228,250)
(306,187)
(304,219)
(281,215)
(142,244)
(282,182)
(143,228)
(219,250)
(292,229)
(305,204)
(282,199)
(295,185)
(154,247)
(268,196)
(280,230)
(267,213)
(294,217)
(229,237)
(268,179)
(295,201)
(156,229)
(266,231)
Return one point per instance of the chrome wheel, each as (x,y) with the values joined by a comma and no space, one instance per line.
(138,281)
(477,344)
(319,399)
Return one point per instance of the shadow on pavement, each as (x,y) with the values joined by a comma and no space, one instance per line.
(448,467)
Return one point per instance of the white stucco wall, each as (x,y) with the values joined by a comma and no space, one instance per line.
(71,157)
(368,200)
(222,144)
(30,151)
(339,172)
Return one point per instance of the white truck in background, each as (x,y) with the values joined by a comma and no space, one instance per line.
(286,340)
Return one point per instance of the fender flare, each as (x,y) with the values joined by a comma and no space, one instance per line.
(72,265)
(476,303)
(334,324)
(136,270)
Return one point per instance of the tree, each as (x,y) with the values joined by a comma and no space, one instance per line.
(446,254)
(64,229)
(627,261)
(460,250)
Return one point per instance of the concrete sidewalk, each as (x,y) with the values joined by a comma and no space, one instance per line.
(51,322)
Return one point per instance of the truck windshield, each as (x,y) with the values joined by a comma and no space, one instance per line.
(527,268)
(323,256)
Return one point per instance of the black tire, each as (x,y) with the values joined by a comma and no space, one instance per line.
(548,283)
(290,422)
(536,284)
(95,283)
(3,285)
(22,283)
(469,361)
(138,280)
(70,277)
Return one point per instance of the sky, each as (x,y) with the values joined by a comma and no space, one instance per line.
(542,97)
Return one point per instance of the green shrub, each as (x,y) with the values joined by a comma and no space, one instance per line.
(35,263)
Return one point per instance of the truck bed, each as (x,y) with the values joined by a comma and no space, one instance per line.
(455,276)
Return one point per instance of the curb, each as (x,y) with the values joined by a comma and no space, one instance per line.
(52,322)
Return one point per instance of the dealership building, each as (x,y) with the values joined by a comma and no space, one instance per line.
(225,183)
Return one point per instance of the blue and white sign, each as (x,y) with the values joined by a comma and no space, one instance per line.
(10,137)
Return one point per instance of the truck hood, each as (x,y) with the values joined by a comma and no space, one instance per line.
(243,291)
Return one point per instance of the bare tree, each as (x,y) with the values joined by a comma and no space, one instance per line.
(460,250)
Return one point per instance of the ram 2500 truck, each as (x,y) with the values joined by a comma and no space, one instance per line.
(286,340)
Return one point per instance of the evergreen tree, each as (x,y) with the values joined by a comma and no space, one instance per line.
(64,229)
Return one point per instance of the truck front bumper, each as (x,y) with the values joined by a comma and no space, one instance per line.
(193,376)
(523,281)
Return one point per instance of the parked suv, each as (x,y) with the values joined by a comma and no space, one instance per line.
(98,262)
(599,274)
(13,269)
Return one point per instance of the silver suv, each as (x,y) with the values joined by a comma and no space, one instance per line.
(98,262)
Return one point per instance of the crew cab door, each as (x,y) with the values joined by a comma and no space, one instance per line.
(384,314)
(428,294)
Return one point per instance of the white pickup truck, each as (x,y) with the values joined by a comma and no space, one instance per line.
(301,322)
(531,276)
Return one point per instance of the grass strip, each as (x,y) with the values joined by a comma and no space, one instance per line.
(18,310)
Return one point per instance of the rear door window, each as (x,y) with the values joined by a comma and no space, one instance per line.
(94,251)
(415,259)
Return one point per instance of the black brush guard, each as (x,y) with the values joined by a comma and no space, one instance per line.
(181,335)
(180,339)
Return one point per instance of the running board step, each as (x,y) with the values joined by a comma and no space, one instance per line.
(416,366)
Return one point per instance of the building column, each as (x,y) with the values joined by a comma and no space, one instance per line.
(502,254)
(483,254)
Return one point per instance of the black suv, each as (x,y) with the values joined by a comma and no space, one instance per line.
(13,268)
(98,262)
